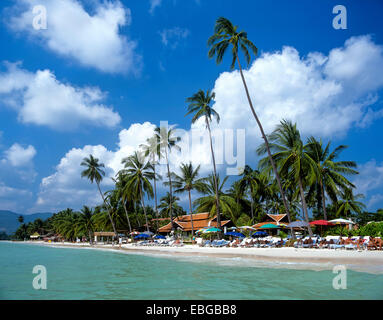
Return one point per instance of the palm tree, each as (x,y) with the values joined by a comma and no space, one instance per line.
(168,202)
(85,223)
(330,172)
(138,176)
(95,173)
(292,158)
(186,182)
(152,150)
(349,204)
(166,141)
(226,34)
(248,182)
(199,106)
(208,203)
(123,194)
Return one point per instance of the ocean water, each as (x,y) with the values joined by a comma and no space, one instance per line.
(94,274)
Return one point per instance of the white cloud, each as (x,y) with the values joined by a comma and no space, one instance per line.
(66,188)
(154,4)
(18,156)
(325,95)
(41,99)
(94,40)
(171,37)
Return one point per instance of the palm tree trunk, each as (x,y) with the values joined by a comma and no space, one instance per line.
(304,205)
(127,216)
(191,215)
(107,205)
(90,238)
(155,192)
(215,176)
(323,201)
(267,145)
(143,207)
(170,190)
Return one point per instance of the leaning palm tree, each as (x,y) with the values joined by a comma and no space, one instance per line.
(95,173)
(200,107)
(186,182)
(152,150)
(226,34)
(138,176)
(208,202)
(330,172)
(166,141)
(292,158)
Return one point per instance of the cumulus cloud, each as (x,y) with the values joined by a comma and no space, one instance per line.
(18,156)
(370,182)
(171,37)
(325,95)
(10,197)
(92,39)
(41,99)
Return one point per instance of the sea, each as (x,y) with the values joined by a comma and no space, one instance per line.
(91,274)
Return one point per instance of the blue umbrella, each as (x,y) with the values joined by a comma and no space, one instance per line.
(141,236)
(235,234)
(159,236)
(260,234)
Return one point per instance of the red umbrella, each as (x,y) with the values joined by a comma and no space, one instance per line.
(321,223)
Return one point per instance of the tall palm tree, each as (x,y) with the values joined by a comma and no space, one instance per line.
(208,202)
(349,204)
(152,150)
(226,34)
(123,194)
(167,140)
(138,176)
(330,172)
(186,182)
(95,173)
(200,106)
(292,158)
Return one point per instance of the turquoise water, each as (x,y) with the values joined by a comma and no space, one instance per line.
(94,274)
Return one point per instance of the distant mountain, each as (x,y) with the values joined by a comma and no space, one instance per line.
(9,222)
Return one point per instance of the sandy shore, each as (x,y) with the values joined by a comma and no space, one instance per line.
(317,259)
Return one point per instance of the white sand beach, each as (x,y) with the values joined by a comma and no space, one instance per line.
(311,259)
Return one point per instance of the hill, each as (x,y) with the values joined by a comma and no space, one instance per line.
(9,222)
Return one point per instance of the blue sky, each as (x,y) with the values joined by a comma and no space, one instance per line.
(103,74)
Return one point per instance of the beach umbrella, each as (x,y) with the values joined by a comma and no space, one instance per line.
(159,236)
(269,226)
(232,228)
(141,236)
(211,230)
(134,233)
(247,227)
(341,221)
(298,224)
(321,223)
(235,234)
(149,233)
(260,234)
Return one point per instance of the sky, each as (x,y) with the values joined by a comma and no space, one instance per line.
(99,76)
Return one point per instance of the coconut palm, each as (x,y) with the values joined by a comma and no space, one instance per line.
(167,140)
(208,202)
(84,224)
(227,35)
(292,158)
(95,173)
(186,182)
(168,202)
(249,182)
(152,150)
(200,107)
(123,194)
(330,172)
(138,175)
(349,204)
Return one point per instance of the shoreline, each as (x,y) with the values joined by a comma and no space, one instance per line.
(306,259)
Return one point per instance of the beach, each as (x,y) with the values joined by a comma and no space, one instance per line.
(309,259)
